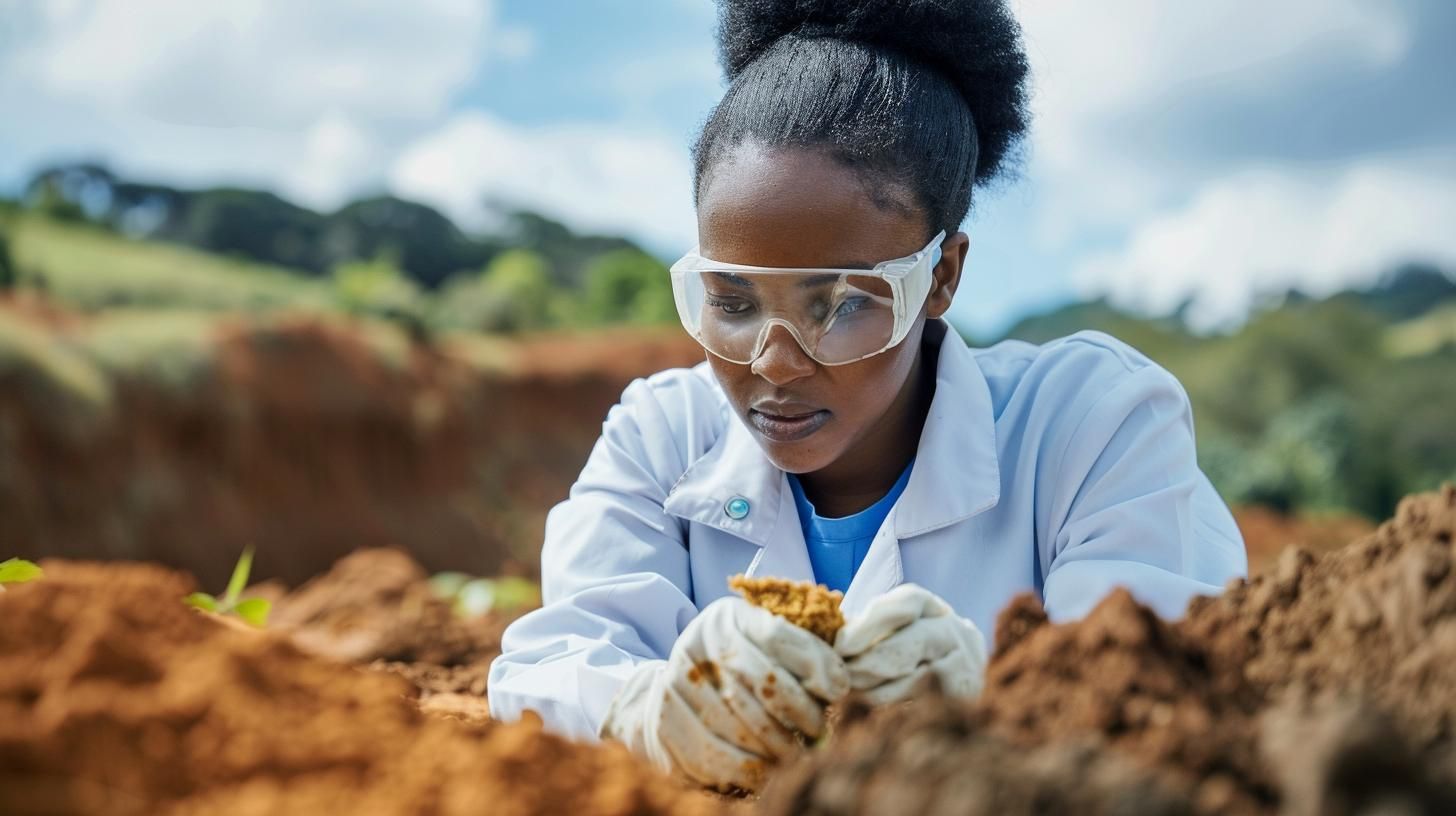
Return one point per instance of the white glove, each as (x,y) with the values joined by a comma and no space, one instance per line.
(738,688)
(905,634)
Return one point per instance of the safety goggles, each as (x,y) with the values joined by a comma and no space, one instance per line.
(838,316)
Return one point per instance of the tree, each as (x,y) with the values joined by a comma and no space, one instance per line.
(514,293)
(8,274)
(377,288)
(626,285)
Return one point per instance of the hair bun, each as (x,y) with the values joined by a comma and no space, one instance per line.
(975,44)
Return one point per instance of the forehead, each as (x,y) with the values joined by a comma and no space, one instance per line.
(796,207)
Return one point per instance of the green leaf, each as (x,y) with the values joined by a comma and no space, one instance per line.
(254,611)
(240,578)
(446,585)
(18,571)
(201,600)
(513,594)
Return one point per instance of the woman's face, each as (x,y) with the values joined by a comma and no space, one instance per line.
(789,207)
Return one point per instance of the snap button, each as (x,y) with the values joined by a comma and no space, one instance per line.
(736,508)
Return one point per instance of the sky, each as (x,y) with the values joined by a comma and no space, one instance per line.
(1208,153)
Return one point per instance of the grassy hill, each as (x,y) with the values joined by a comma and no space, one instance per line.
(92,268)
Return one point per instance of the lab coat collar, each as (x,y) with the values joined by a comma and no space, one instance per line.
(956,474)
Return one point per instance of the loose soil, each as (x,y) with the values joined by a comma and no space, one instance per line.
(803,603)
(1326,685)
(117,699)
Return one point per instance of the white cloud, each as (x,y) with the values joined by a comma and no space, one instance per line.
(514,43)
(1099,66)
(1265,230)
(306,97)
(260,63)
(594,177)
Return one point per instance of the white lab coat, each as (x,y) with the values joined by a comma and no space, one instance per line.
(1066,469)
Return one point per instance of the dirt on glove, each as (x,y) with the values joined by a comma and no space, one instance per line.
(1326,685)
(116,698)
(807,605)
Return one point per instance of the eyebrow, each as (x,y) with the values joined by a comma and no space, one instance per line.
(806,283)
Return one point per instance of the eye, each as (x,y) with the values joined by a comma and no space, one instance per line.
(728,305)
(851,305)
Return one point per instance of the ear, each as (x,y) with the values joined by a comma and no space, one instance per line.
(947,275)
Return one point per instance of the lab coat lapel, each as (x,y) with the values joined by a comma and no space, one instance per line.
(956,473)
(736,468)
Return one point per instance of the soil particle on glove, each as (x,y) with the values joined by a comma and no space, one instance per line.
(807,605)
(116,698)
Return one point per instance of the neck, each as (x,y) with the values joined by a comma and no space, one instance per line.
(853,483)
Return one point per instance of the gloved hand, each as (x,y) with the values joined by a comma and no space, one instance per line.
(739,687)
(905,634)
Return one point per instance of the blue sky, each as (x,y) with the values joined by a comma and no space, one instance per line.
(1213,152)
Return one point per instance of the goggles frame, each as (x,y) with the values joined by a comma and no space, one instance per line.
(908,278)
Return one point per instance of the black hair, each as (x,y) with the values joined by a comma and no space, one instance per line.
(930,95)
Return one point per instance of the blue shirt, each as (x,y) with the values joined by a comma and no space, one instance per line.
(837,546)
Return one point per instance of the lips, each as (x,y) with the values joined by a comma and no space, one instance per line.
(786,421)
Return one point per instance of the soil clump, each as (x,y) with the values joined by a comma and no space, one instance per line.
(376,608)
(805,604)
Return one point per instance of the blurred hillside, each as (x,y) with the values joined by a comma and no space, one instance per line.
(1342,403)
(95,241)
(168,356)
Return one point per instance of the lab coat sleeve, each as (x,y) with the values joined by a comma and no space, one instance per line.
(616,585)
(1130,506)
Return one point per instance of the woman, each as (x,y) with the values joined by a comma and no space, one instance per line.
(838,431)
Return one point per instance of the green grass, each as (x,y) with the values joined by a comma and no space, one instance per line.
(90,268)
(1424,334)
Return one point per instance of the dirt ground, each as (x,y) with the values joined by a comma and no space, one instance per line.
(1326,685)
(117,699)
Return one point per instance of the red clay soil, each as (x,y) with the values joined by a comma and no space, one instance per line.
(1267,533)
(303,438)
(375,608)
(117,699)
(1325,686)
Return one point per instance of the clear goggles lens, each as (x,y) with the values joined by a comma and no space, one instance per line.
(837,316)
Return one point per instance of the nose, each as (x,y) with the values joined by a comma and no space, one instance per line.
(782,359)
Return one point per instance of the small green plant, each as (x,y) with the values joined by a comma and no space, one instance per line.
(472,597)
(18,571)
(252,610)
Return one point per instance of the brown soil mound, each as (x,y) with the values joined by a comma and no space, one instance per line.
(115,698)
(1140,685)
(1375,620)
(811,606)
(1327,685)
(934,756)
(376,607)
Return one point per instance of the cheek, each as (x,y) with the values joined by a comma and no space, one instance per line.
(731,378)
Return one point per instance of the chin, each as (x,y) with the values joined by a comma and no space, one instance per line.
(796,457)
